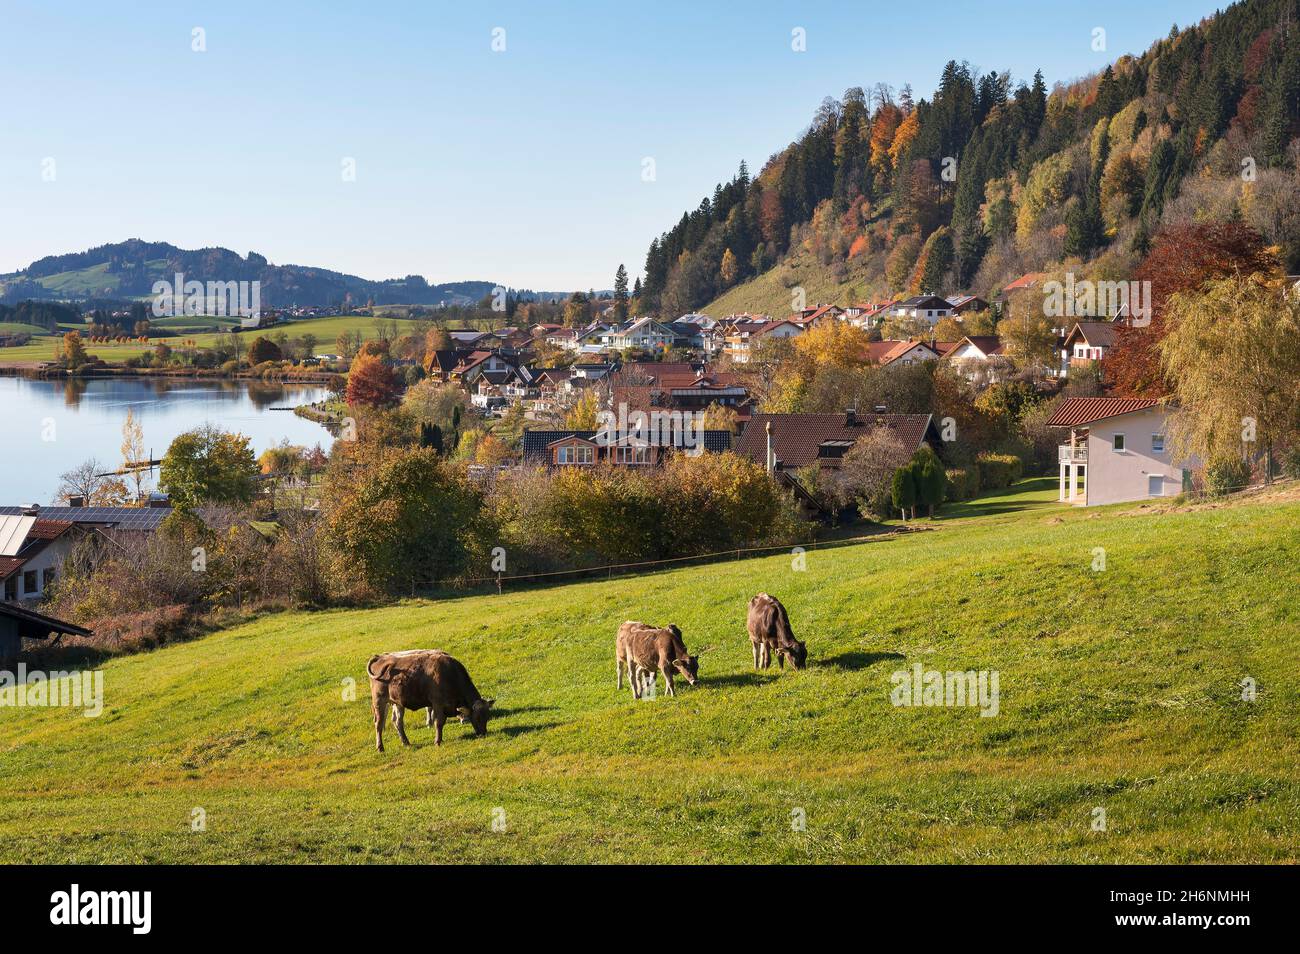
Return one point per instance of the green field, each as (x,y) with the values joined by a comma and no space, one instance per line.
(326,331)
(1118,691)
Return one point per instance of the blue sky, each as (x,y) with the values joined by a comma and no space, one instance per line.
(522,166)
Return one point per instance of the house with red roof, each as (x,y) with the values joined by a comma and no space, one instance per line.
(900,352)
(1118,451)
(32,550)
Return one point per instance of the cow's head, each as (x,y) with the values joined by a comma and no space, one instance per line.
(689,668)
(477,714)
(798,654)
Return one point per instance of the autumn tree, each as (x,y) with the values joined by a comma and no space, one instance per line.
(74,350)
(1182,258)
(866,472)
(1232,354)
(209,465)
(371,382)
(263,349)
(89,481)
(398,518)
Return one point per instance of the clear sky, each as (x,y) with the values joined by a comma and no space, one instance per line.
(522,166)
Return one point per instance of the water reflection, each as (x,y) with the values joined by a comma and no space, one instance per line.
(85,417)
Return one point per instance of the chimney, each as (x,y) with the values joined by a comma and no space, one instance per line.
(31,509)
(850,417)
(880,409)
(76,501)
(771,461)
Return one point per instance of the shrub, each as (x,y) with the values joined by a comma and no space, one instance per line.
(1223,475)
(957,486)
(1291,462)
(999,470)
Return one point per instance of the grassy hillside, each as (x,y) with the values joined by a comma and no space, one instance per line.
(325,329)
(770,292)
(1118,690)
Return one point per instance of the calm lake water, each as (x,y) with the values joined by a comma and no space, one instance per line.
(49,427)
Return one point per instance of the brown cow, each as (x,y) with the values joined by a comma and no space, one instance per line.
(769,629)
(646,650)
(420,678)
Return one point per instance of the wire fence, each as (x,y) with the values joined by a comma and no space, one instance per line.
(609,570)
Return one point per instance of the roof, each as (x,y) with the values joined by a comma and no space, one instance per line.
(49,529)
(883,352)
(796,437)
(34,625)
(933,302)
(536,442)
(1077,411)
(123,518)
(988,345)
(9,564)
(1028,280)
(1099,334)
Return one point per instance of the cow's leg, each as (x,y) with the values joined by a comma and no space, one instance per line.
(428,718)
(635,678)
(667,669)
(754,646)
(400,712)
(767,655)
(618,671)
(437,728)
(379,704)
(780,659)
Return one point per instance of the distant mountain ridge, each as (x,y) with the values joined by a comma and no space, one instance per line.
(129,269)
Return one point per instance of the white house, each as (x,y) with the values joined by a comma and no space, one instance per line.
(645,334)
(928,308)
(1118,451)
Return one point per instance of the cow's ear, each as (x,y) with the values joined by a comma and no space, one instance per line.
(491,703)
(463,710)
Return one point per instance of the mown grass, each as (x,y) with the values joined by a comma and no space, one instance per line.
(1119,690)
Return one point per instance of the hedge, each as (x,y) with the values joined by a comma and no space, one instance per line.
(999,470)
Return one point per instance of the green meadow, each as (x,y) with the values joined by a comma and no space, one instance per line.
(1120,699)
(326,330)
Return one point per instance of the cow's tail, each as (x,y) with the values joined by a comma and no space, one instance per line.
(370,668)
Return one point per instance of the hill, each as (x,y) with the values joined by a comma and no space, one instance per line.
(1118,690)
(993,177)
(129,269)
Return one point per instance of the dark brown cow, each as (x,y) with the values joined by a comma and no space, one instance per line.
(420,678)
(646,650)
(769,629)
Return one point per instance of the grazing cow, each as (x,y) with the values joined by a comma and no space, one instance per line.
(646,650)
(769,629)
(420,678)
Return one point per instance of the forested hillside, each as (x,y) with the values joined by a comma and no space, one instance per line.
(129,269)
(994,177)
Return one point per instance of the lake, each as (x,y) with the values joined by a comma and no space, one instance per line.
(51,426)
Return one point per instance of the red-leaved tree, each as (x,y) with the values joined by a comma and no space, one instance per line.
(371,382)
(1182,258)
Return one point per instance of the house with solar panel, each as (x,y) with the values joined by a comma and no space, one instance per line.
(1118,451)
(35,540)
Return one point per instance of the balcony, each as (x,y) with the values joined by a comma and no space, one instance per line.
(1077,454)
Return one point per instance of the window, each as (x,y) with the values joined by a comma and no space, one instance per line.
(574,454)
(29,583)
(1155,485)
(1117,443)
(11,588)
(632,455)
(1157,443)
